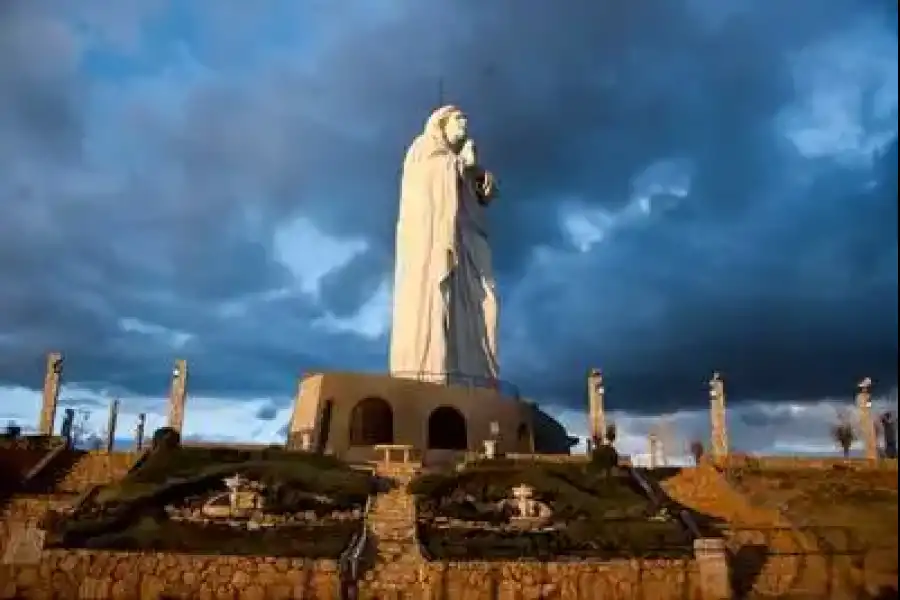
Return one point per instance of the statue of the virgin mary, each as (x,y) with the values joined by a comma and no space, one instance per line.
(445,303)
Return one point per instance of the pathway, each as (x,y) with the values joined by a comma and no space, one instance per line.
(398,561)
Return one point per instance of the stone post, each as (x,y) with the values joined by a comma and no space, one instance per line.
(654,449)
(67,425)
(866,423)
(712,564)
(177,395)
(717,417)
(596,392)
(52,376)
(111,424)
(139,432)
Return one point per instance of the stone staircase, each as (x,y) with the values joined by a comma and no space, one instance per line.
(397,561)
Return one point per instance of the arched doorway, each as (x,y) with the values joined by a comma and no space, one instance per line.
(523,439)
(447,429)
(371,423)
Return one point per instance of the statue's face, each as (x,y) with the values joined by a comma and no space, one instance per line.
(455,128)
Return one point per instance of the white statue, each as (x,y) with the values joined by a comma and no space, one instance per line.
(445,303)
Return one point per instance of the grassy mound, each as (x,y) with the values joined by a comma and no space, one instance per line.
(133,514)
(594,514)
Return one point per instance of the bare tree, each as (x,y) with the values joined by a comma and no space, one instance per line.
(83,436)
(844,435)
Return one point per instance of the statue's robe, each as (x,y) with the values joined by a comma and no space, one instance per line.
(445,304)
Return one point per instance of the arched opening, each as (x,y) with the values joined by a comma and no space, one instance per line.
(447,429)
(371,423)
(523,439)
(324,426)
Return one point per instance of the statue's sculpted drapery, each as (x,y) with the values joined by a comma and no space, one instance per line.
(445,305)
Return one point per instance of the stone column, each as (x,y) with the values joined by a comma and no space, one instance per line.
(866,423)
(654,449)
(139,432)
(111,424)
(717,417)
(67,425)
(177,395)
(52,377)
(712,563)
(596,392)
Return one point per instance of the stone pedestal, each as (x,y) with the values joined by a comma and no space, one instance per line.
(712,564)
(866,422)
(490,449)
(596,414)
(717,417)
(178,395)
(52,377)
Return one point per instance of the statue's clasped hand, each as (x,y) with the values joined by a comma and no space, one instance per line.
(467,154)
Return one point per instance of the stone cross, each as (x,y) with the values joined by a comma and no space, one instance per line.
(523,500)
(597,416)
(866,423)
(717,417)
(52,377)
(177,395)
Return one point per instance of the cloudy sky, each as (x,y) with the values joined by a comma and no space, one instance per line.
(688,185)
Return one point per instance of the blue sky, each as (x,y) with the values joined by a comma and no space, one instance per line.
(688,185)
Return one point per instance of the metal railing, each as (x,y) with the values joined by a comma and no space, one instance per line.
(350,559)
(451,378)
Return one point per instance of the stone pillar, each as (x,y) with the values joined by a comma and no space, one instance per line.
(712,564)
(111,424)
(596,392)
(52,376)
(139,432)
(866,423)
(177,395)
(67,425)
(717,417)
(654,449)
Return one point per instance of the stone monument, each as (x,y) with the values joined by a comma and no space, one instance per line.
(596,392)
(443,396)
(445,301)
(52,377)
(178,395)
(866,423)
(717,417)
(111,424)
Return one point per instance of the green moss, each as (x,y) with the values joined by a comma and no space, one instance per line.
(596,514)
(130,515)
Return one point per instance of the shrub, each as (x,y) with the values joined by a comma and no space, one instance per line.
(166,438)
(604,459)
(697,451)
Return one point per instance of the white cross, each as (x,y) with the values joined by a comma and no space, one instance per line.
(522,492)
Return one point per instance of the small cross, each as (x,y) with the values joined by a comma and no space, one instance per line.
(522,492)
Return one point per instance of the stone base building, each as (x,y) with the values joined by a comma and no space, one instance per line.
(349,414)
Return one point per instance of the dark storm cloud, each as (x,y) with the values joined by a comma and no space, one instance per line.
(267,413)
(789,289)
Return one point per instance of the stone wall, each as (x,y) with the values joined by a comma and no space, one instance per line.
(27,511)
(576,580)
(804,462)
(96,467)
(126,576)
